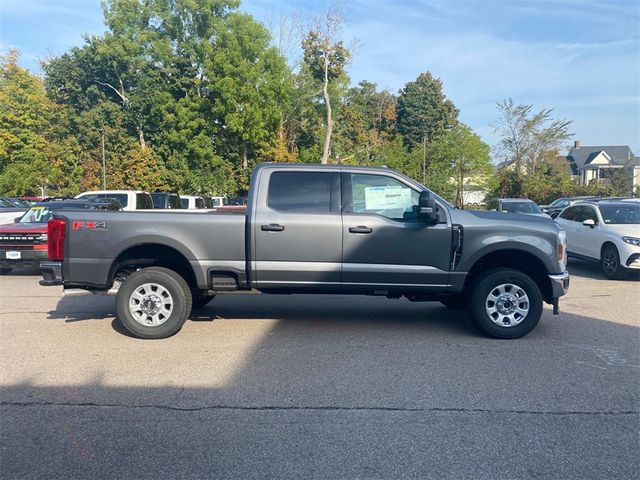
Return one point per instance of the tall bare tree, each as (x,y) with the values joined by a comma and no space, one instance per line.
(326,56)
(527,138)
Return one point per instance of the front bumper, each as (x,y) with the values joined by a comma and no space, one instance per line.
(28,258)
(51,274)
(559,284)
(559,287)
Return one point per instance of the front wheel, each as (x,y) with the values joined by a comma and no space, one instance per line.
(610,263)
(505,303)
(153,303)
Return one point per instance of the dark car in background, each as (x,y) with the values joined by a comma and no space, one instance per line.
(237,201)
(24,243)
(555,207)
(166,200)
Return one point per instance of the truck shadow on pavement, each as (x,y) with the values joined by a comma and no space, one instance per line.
(331,388)
(324,311)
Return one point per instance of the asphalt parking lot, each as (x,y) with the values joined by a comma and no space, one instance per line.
(319,387)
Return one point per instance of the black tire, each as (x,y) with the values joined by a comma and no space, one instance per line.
(610,263)
(199,300)
(454,303)
(5,271)
(165,285)
(513,284)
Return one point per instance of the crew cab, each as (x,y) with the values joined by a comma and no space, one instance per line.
(315,229)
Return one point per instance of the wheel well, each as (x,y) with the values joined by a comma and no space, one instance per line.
(605,244)
(156,255)
(518,260)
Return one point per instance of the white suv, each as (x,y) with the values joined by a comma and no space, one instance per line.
(607,231)
(129,199)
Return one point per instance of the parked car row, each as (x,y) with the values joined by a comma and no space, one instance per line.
(599,229)
(24,242)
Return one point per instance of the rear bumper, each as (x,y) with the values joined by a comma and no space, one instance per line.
(51,273)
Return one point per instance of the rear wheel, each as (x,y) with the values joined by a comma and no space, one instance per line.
(610,263)
(505,303)
(153,303)
(5,271)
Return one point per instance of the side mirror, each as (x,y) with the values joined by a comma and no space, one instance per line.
(589,223)
(427,209)
(17,219)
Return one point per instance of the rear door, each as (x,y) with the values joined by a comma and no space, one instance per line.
(571,220)
(385,245)
(298,230)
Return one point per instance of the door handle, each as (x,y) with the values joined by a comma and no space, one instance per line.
(272,227)
(360,229)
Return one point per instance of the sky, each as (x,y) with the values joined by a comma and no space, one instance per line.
(580,58)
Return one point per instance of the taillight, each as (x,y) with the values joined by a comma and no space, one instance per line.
(56,231)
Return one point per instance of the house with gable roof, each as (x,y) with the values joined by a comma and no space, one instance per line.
(598,164)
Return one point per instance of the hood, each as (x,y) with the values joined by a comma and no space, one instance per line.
(24,228)
(624,230)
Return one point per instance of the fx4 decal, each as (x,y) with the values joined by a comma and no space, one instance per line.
(89,225)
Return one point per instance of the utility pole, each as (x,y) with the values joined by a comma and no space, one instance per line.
(104,165)
(424,158)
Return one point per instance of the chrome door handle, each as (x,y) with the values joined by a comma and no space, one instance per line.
(360,229)
(272,227)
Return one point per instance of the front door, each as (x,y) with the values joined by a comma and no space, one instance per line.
(385,245)
(298,230)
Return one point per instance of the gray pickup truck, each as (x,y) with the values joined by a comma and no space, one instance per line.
(315,229)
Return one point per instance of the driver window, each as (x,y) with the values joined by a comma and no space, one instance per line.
(382,195)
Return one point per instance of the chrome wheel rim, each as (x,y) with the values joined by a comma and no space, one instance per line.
(610,262)
(507,305)
(150,304)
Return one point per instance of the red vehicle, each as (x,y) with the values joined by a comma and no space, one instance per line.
(24,243)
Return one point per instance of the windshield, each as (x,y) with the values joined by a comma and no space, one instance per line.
(620,215)
(520,207)
(560,202)
(121,197)
(37,214)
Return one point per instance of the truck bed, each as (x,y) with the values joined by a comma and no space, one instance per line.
(209,241)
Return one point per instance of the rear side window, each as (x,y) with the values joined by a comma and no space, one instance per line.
(300,191)
(174,202)
(569,213)
(143,201)
(185,202)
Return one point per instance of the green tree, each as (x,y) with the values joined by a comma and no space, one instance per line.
(194,80)
(423,111)
(365,123)
(455,157)
(37,156)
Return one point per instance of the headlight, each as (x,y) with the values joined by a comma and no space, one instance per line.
(631,241)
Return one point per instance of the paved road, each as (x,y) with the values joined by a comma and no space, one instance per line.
(319,387)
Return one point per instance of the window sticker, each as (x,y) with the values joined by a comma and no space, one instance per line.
(387,198)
